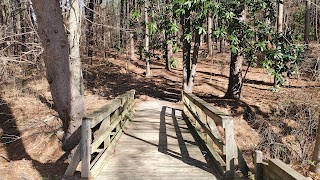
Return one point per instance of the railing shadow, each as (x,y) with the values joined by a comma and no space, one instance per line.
(184,154)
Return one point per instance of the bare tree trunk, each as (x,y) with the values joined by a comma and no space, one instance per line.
(194,62)
(148,71)
(280,16)
(235,77)
(186,50)
(315,167)
(307,23)
(235,74)
(90,41)
(169,56)
(77,107)
(121,22)
(131,46)
(280,31)
(63,72)
(209,40)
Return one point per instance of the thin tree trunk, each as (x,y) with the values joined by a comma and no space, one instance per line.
(280,16)
(131,46)
(209,40)
(121,22)
(148,69)
(169,56)
(194,62)
(186,50)
(315,166)
(307,23)
(280,31)
(90,41)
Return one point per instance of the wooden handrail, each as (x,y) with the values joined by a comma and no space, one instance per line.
(273,169)
(205,118)
(100,132)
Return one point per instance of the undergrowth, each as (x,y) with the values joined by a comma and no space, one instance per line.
(290,130)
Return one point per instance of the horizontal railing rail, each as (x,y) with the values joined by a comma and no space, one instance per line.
(222,148)
(274,169)
(100,132)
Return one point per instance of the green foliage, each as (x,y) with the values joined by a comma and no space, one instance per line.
(173,62)
(249,37)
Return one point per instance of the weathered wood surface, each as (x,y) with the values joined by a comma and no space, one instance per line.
(156,145)
(274,169)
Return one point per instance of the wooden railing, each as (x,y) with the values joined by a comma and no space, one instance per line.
(100,132)
(221,146)
(273,169)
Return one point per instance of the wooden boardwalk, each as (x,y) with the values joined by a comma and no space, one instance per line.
(156,145)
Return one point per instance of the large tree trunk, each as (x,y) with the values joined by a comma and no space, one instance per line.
(148,69)
(63,72)
(235,77)
(316,153)
(307,23)
(77,107)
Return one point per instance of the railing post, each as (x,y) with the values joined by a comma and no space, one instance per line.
(85,148)
(258,167)
(230,147)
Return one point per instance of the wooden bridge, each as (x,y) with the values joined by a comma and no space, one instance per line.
(158,141)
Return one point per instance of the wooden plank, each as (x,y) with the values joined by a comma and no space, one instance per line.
(85,150)
(230,148)
(106,110)
(74,162)
(258,174)
(99,164)
(270,175)
(207,108)
(243,166)
(213,136)
(101,151)
(115,122)
(284,171)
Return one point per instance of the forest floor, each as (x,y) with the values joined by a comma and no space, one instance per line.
(280,124)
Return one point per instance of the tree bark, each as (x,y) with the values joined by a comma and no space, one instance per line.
(307,22)
(90,41)
(209,40)
(77,107)
(194,62)
(280,16)
(148,70)
(186,50)
(235,74)
(235,78)
(316,153)
(169,56)
(131,46)
(63,72)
